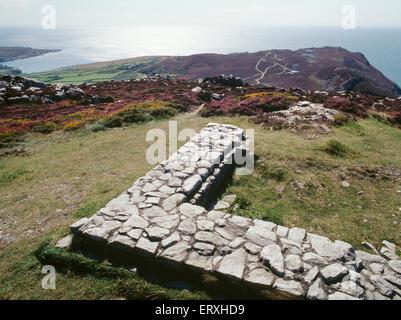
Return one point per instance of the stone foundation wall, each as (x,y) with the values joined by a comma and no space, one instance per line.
(158,217)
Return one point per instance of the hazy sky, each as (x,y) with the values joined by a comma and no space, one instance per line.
(209,12)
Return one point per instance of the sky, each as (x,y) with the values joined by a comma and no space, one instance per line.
(69,13)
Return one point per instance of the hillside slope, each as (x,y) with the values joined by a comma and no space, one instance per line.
(323,69)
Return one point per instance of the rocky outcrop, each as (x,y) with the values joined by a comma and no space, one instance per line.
(302,116)
(18,90)
(159,217)
(230,80)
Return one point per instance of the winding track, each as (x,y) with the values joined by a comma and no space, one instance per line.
(261,74)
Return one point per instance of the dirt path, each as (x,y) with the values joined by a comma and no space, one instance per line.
(261,74)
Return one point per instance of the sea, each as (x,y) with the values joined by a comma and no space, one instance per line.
(382,46)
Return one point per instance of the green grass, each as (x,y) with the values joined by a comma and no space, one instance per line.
(11,176)
(77,277)
(336,148)
(324,206)
(69,175)
(98,72)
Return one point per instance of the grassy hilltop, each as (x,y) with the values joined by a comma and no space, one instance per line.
(64,160)
(66,176)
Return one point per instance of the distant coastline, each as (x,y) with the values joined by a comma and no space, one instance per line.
(17,53)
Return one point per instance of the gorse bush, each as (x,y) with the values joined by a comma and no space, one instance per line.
(140,113)
(44,128)
(113,122)
(96,127)
(336,148)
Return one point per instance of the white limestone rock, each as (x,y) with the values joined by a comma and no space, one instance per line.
(199,261)
(393,280)
(377,268)
(157,233)
(341,296)
(370,258)
(297,235)
(79,225)
(236,243)
(205,225)
(215,215)
(65,242)
(311,275)
(191,211)
(154,212)
(136,222)
(240,221)
(211,237)
(135,234)
(225,233)
(167,190)
(260,277)
(122,242)
(316,292)
(234,264)
(174,182)
(292,287)
(294,263)
(187,227)
(192,184)
(395,265)
(272,257)
(177,252)
(148,187)
(334,273)
(147,245)
(221,205)
(261,236)
(314,258)
(329,250)
(174,201)
(382,285)
(270,226)
(282,232)
(171,240)
(252,248)
(168,222)
(204,249)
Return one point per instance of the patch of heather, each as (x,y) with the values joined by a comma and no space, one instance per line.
(156,98)
(59,107)
(396,118)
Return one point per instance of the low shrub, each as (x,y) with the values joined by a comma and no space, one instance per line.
(44,128)
(113,122)
(8,136)
(96,127)
(336,148)
(340,119)
(154,90)
(74,125)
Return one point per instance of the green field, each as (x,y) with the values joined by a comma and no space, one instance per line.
(96,72)
(68,175)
